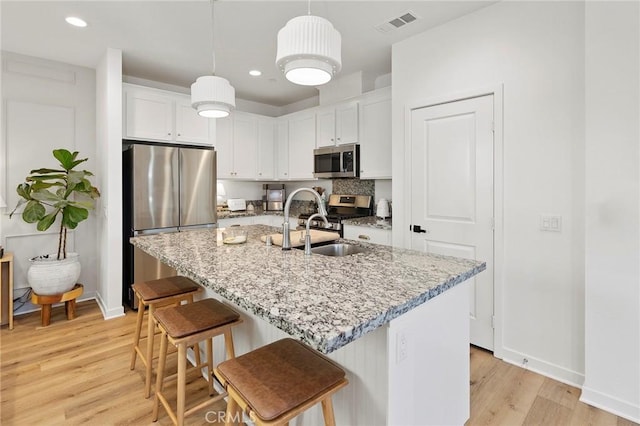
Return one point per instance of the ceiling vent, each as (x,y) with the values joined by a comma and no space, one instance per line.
(398,22)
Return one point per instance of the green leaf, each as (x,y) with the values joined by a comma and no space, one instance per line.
(37,186)
(46,171)
(20,202)
(94,192)
(73,215)
(65,158)
(75,177)
(33,178)
(33,212)
(82,204)
(46,222)
(24,190)
(45,195)
(75,163)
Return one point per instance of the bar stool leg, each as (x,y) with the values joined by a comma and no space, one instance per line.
(228,344)
(182,372)
(160,376)
(151,327)
(232,409)
(136,337)
(209,344)
(327,412)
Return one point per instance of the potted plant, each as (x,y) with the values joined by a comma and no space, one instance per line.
(49,194)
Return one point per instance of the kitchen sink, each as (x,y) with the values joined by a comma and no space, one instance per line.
(338,249)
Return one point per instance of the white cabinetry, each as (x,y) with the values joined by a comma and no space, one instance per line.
(266,149)
(367,234)
(153,114)
(337,124)
(282,149)
(375,135)
(245,147)
(302,142)
(245,143)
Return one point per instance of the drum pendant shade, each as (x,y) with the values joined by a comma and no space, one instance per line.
(309,50)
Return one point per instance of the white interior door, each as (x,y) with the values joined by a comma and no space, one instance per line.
(452,194)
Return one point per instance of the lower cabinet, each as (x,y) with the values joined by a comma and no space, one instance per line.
(367,234)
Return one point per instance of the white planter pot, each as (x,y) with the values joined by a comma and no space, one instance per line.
(47,275)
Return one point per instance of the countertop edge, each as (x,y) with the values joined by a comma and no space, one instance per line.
(326,346)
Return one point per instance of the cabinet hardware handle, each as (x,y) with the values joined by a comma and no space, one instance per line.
(364,237)
(338,138)
(179,134)
(169,133)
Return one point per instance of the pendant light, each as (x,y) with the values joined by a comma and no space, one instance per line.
(309,51)
(213,96)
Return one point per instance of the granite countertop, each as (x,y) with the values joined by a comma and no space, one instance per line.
(244,213)
(327,302)
(370,221)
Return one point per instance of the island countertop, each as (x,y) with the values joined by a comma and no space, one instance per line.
(327,302)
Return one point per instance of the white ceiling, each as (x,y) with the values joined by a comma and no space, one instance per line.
(170,41)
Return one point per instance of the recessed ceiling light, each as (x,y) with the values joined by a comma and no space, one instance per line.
(75,21)
(255,73)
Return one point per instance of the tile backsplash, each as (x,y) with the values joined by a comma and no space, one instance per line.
(354,186)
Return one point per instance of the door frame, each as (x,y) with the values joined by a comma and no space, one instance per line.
(498,190)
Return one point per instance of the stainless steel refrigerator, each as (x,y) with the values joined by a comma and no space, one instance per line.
(166,188)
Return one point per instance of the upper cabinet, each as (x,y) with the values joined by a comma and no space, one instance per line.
(375,134)
(266,148)
(337,125)
(282,149)
(302,142)
(245,145)
(158,115)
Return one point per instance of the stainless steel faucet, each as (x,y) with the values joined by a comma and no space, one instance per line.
(307,238)
(286,238)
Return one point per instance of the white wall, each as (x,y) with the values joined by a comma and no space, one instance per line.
(536,51)
(612,370)
(109,150)
(47,105)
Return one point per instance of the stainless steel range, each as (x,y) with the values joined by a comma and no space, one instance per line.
(340,208)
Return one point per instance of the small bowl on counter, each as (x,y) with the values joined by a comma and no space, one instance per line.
(234,236)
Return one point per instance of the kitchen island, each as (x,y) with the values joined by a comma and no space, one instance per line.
(396,320)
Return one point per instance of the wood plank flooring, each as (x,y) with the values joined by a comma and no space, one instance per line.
(77,373)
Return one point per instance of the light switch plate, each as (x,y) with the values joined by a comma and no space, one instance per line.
(551,223)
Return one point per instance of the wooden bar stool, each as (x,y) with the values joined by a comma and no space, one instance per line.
(184,326)
(155,294)
(275,383)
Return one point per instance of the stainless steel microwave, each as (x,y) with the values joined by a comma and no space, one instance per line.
(340,161)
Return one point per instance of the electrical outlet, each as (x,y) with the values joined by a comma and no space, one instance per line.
(402,347)
(551,223)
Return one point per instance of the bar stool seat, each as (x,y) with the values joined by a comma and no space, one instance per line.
(276,382)
(155,294)
(184,326)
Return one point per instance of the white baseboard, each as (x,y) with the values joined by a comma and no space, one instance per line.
(553,371)
(611,404)
(109,313)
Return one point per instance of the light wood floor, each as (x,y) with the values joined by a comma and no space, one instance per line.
(77,373)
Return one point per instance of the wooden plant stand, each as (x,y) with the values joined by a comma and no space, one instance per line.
(69,299)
